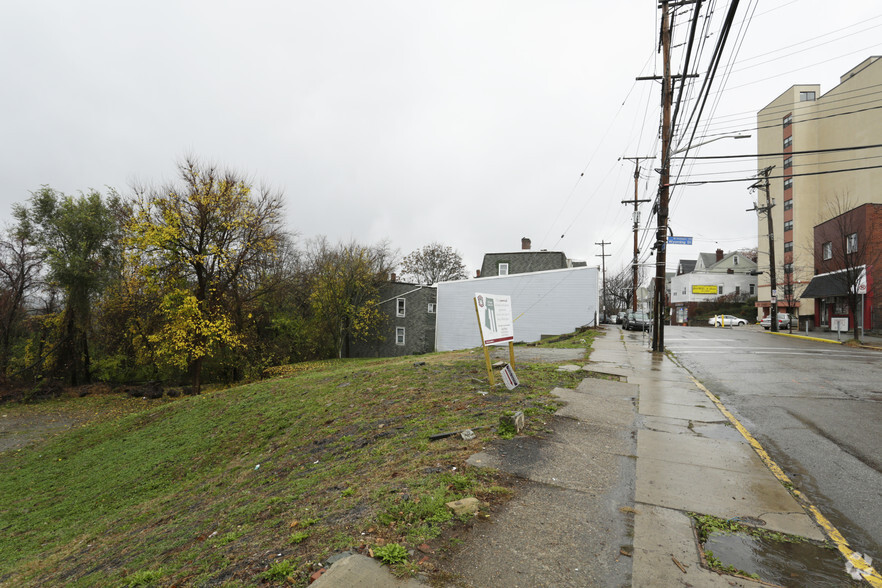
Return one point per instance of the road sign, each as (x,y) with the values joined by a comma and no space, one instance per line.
(680,240)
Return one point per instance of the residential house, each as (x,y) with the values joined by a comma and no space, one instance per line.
(525,261)
(708,278)
(409,321)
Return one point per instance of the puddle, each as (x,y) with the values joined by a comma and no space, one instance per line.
(784,564)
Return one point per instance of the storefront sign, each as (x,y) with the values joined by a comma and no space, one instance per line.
(704,289)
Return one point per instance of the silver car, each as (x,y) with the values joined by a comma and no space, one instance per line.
(783,321)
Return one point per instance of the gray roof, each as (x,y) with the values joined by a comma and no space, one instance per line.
(688,265)
(524,261)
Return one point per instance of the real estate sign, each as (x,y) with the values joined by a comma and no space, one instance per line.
(494,315)
(704,289)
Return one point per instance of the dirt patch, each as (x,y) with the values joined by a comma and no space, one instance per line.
(20,428)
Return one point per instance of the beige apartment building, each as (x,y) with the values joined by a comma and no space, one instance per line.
(807,188)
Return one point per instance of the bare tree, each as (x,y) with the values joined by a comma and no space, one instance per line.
(434,263)
(620,289)
(20,265)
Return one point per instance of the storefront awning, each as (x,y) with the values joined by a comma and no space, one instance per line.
(827,286)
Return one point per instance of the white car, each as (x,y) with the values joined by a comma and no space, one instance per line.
(726,320)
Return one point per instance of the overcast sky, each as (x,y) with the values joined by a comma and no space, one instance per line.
(468,123)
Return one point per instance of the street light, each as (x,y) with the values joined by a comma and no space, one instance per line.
(691,146)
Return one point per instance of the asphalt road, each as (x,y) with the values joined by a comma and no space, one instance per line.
(815,407)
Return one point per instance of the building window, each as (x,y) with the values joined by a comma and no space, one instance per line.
(735,260)
(788,183)
(788,141)
(752,289)
(788,268)
(503,268)
(720,290)
(806,96)
(827,250)
(788,162)
(399,335)
(788,246)
(788,225)
(400,310)
(432,307)
(788,120)
(851,243)
(737,290)
(788,204)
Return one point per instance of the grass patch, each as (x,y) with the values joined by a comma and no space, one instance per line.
(209,485)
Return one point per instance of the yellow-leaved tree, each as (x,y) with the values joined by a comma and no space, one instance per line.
(197,241)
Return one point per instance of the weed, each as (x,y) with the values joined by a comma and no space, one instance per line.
(299,537)
(506,430)
(348,492)
(143,578)
(280,570)
(391,554)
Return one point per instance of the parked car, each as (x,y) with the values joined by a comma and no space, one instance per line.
(620,318)
(637,320)
(783,321)
(726,320)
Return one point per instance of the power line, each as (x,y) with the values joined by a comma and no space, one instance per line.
(757,155)
(819,173)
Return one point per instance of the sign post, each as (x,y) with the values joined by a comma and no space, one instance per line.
(495,324)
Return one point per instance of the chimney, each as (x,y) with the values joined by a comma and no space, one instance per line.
(392,277)
(719,255)
(477,273)
(525,243)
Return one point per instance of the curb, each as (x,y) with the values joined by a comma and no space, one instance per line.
(806,337)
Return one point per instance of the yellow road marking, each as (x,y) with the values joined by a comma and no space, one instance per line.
(870,575)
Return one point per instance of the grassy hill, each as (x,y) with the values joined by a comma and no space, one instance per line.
(258,482)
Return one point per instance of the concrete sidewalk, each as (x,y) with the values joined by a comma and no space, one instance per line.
(604,499)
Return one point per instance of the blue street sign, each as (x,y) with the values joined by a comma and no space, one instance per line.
(680,240)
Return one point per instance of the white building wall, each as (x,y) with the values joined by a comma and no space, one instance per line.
(728,281)
(543,303)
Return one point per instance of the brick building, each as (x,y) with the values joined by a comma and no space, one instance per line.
(848,263)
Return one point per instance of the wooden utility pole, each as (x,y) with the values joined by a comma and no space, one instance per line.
(636,203)
(603,255)
(658,333)
(773,282)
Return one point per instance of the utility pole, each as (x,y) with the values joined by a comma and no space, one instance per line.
(773,282)
(658,333)
(636,203)
(603,255)
(660,297)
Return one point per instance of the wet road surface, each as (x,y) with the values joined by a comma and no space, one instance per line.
(816,408)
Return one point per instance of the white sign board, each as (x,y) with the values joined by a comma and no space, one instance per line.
(494,313)
(839,323)
(509,378)
(862,282)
